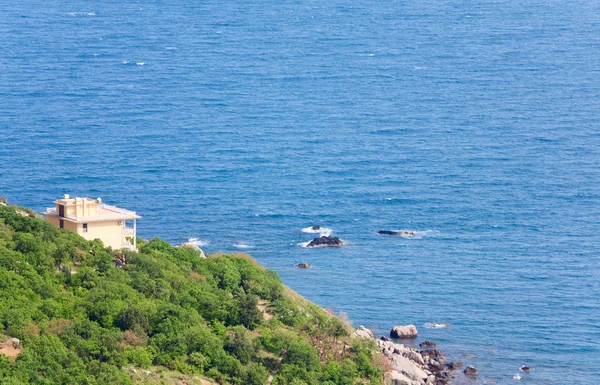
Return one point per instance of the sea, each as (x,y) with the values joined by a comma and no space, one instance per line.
(475,124)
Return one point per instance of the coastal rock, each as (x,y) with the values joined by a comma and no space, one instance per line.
(454,365)
(194,246)
(525,369)
(435,355)
(303,265)
(470,371)
(315,228)
(330,241)
(427,344)
(408,368)
(398,378)
(403,233)
(409,331)
(363,332)
(415,357)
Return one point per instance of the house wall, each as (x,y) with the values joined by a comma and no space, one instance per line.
(67,225)
(109,232)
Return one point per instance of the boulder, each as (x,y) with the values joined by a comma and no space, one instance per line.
(427,344)
(330,241)
(363,332)
(470,371)
(409,331)
(414,357)
(15,342)
(435,366)
(303,265)
(434,354)
(408,368)
(398,378)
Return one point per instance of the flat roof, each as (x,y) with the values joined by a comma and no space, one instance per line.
(105,213)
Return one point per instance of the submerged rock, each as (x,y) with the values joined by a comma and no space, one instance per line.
(454,365)
(325,241)
(303,265)
(408,331)
(525,369)
(427,344)
(404,233)
(315,228)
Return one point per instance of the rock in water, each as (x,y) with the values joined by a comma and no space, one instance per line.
(303,265)
(525,369)
(325,241)
(454,365)
(427,344)
(404,233)
(315,228)
(470,371)
(409,331)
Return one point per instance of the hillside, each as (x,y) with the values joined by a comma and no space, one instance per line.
(167,316)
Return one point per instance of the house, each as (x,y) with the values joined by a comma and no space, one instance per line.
(91,218)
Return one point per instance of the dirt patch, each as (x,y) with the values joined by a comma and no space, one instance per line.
(262,306)
(10,350)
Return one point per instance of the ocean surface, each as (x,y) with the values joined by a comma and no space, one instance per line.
(476,124)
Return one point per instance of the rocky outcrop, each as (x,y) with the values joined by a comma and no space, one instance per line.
(194,246)
(413,367)
(363,332)
(403,233)
(410,366)
(330,241)
(303,265)
(408,331)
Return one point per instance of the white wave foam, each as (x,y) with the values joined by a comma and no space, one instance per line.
(323,231)
(197,241)
(517,377)
(303,244)
(171,48)
(436,325)
(242,246)
(81,13)
(140,63)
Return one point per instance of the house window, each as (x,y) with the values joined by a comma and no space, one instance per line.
(85,229)
(62,224)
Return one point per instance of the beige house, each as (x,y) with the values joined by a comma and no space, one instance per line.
(93,219)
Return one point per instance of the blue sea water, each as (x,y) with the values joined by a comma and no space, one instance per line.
(240,123)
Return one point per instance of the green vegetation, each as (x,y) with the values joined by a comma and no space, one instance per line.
(165,317)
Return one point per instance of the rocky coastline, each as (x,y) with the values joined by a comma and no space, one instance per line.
(411,366)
